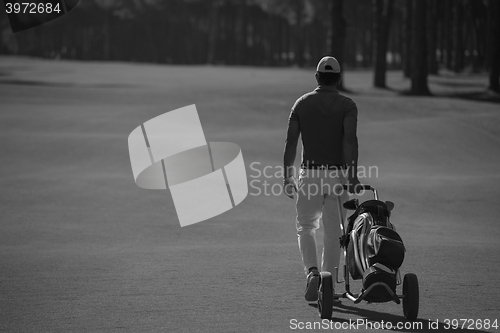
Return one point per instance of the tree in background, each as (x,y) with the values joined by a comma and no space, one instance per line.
(407,40)
(419,49)
(318,32)
(298,13)
(382,11)
(432,24)
(459,35)
(494,44)
(338,35)
(299,10)
(213,30)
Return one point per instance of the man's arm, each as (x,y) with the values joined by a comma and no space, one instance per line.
(292,138)
(350,143)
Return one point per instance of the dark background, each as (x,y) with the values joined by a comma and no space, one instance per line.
(419,36)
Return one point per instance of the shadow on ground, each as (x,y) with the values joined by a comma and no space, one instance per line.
(478,96)
(60,84)
(460,84)
(376,318)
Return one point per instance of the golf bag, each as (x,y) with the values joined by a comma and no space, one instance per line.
(375,251)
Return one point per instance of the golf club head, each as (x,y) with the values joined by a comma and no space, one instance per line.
(351,204)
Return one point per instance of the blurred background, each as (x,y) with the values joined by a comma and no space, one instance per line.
(419,37)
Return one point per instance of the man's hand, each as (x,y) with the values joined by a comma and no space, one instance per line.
(289,185)
(352,186)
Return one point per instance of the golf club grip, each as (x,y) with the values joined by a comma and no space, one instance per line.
(363,187)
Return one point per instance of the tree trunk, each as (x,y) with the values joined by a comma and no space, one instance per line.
(432,30)
(382,10)
(442,31)
(449,32)
(419,48)
(494,44)
(338,36)
(299,33)
(367,48)
(283,43)
(212,33)
(287,43)
(458,30)
(480,18)
(408,38)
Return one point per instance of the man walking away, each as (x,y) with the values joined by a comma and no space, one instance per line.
(327,122)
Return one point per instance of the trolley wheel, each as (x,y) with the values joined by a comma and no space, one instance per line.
(411,296)
(325,295)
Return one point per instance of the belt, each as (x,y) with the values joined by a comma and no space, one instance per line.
(323,166)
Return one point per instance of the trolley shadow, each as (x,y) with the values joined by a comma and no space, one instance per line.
(375,316)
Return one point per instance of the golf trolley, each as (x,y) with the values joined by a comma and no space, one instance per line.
(373,252)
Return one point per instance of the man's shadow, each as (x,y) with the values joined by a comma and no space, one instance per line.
(375,316)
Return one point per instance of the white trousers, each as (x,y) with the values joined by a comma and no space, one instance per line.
(318,198)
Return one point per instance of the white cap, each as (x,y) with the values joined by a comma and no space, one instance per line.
(328,65)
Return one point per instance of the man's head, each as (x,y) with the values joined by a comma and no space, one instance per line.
(328,72)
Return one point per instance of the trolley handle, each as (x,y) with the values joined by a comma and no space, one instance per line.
(362,187)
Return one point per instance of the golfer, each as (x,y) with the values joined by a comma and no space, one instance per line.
(327,122)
